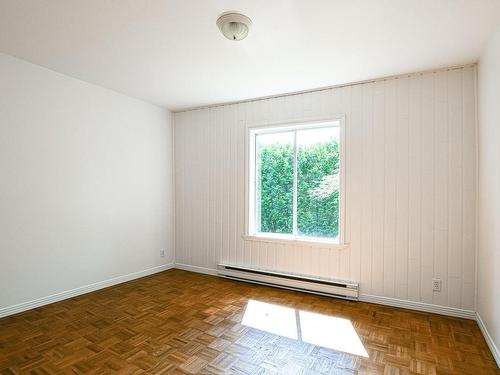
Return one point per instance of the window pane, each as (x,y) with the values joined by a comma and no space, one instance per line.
(318,182)
(274,172)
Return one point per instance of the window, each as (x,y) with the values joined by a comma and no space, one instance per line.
(295,182)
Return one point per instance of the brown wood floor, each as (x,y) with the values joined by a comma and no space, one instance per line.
(178,322)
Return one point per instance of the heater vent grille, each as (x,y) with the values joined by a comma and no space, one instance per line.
(316,285)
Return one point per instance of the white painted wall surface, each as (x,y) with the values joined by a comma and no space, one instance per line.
(85,183)
(488,277)
(410,186)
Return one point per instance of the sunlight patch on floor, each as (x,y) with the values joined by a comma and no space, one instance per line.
(275,319)
(317,329)
(330,332)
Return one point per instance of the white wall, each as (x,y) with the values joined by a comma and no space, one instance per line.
(410,180)
(85,183)
(488,277)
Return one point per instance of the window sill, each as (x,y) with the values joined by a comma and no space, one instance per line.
(297,242)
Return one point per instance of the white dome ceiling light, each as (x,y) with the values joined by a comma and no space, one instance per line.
(234,26)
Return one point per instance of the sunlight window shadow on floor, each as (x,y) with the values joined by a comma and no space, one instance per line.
(275,319)
(312,328)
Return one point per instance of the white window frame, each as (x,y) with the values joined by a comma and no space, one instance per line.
(251,181)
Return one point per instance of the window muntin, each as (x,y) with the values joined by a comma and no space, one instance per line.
(295,176)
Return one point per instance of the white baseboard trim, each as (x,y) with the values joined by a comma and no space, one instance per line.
(411,305)
(187,267)
(419,306)
(489,340)
(24,306)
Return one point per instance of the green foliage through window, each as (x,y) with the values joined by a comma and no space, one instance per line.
(318,185)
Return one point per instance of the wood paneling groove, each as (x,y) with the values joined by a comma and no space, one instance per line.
(410,186)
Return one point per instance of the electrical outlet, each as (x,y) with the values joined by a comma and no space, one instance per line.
(162,253)
(436,285)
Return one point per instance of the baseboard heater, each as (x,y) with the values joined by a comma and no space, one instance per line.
(319,285)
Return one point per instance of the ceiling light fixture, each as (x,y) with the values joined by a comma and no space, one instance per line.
(234,26)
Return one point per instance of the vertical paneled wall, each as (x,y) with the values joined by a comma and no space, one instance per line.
(410,186)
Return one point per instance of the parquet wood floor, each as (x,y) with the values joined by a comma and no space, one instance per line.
(178,322)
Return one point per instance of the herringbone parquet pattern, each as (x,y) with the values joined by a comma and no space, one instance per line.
(178,322)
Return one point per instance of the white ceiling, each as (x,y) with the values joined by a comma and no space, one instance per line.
(170,52)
